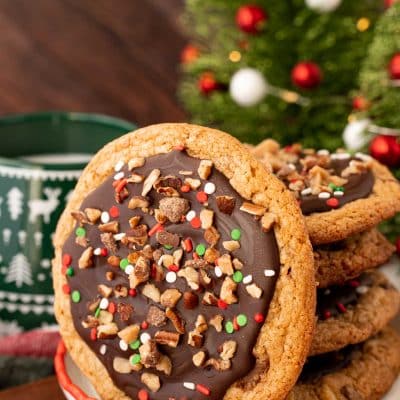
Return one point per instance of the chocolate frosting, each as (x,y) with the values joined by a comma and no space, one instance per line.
(258,251)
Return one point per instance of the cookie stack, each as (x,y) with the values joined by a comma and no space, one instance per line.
(343,197)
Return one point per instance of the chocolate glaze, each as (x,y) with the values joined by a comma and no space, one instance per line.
(358,186)
(258,251)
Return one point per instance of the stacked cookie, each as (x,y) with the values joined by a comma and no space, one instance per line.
(344,197)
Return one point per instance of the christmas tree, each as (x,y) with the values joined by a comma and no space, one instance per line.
(19,271)
(285,69)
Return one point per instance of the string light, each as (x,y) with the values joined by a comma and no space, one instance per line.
(235,56)
(363,24)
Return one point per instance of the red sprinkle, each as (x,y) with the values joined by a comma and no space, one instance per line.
(156,228)
(259,318)
(132,292)
(144,325)
(66,260)
(143,395)
(236,326)
(354,283)
(153,271)
(114,212)
(185,188)
(341,307)
(196,256)
(188,245)
(201,197)
(93,334)
(120,185)
(222,304)
(196,222)
(327,314)
(203,389)
(179,147)
(174,268)
(66,289)
(332,202)
(111,308)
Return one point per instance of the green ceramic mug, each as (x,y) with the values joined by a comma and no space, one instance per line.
(41,158)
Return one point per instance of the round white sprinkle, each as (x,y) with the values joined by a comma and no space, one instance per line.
(247,279)
(269,272)
(104,304)
(145,337)
(119,236)
(170,277)
(340,156)
(323,152)
(190,215)
(129,269)
(362,289)
(105,217)
(338,193)
(123,345)
(97,251)
(103,349)
(209,188)
(118,166)
(218,272)
(189,385)
(324,195)
(119,176)
(306,191)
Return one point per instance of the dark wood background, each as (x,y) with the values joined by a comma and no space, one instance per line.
(119,57)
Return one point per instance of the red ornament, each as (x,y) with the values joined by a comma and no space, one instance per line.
(207,83)
(251,18)
(306,75)
(360,103)
(394,67)
(386,149)
(189,54)
(389,3)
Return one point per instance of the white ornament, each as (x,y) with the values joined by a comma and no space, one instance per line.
(15,203)
(40,207)
(19,271)
(355,136)
(323,6)
(248,87)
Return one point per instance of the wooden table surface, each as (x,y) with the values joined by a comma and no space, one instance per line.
(115,57)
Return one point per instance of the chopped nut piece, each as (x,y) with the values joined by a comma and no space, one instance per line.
(90,322)
(137,235)
(170,298)
(211,255)
(226,204)
(138,202)
(134,221)
(206,218)
(225,263)
(149,354)
(168,185)
(130,333)
(193,183)
(150,180)
(191,276)
(205,279)
(218,365)
(104,290)
(135,178)
(135,367)
(228,349)
(170,339)
(109,242)
(177,256)
(121,196)
(135,163)
(93,214)
(166,238)
(80,217)
(114,261)
(201,324)
(205,168)
(125,311)
(82,241)
(92,305)
(267,221)
(195,339)
(355,167)
(197,264)
(211,236)
(254,291)
(166,260)
(121,365)
(107,331)
(164,365)
(210,299)
(199,358)
(158,273)
(152,381)
(86,259)
(253,209)
(231,245)
(133,257)
(105,317)
(120,291)
(156,317)
(110,275)
(160,217)
(112,227)
(237,264)
(216,322)
(152,292)
(227,291)
(190,300)
(174,208)
(140,274)
(177,321)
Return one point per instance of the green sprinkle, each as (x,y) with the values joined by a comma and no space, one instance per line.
(81,232)
(332,186)
(124,263)
(200,249)
(340,188)
(229,327)
(238,276)
(135,345)
(97,313)
(135,359)
(70,271)
(76,296)
(241,320)
(236,234)
(168,246)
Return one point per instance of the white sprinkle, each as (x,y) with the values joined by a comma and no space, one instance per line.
(123,345)
(129,269)
(190,215)
(323,152)
(306,191)
(170,277)
(145,337)
(218,272)
(292,166)
(327,292)
(119,176)
(338,193)
(362,289)
(189,385)
(104,304)
(247,279)
(363,157)
(103,349)
(105,217)
(119,236)
(324,195)
(97,251)
(269,272)
(118,166)
(340,156)
(209,188)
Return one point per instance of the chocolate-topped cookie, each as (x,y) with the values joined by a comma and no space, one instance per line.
(357,372)
(354,311)
(175,262)
(340,194)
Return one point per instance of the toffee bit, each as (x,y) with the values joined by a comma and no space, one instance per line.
(166,238)
(206,218)
(156,317)
(150,356)
(227,291)
(130,333)
(141,273)
(152,292)
(170,298)
(211,236)
(174,208)
(226,204)
(109,242)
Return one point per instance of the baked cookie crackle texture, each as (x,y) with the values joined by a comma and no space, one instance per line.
(183,270)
